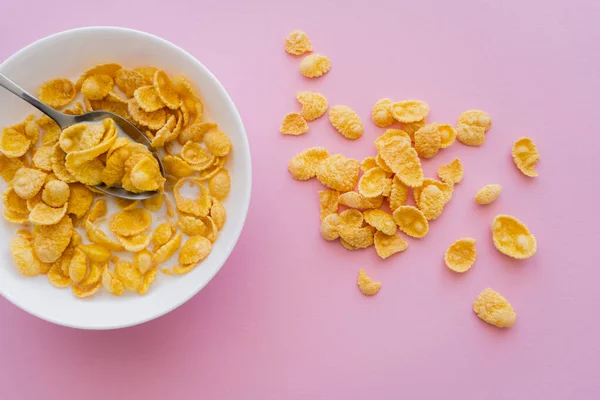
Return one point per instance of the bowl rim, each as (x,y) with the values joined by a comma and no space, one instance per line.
(247,171)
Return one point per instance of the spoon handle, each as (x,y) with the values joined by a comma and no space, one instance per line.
(61,119)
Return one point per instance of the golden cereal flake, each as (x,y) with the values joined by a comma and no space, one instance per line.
(142,261)
(218,213)
(154,203)
(412,127)
(220,184)
(148,98)
(411,221)
(163,232)
(27,182)
(380,220)
(367,286)
(403,160)
(199,206)
(15,218)
(451,173)
(357,237)
(57,93)
(85,291)
(389,134)
(346,121)
(126,204)
(112,284)
(387,245)
(293,124)
(76,109)
(57,278)
(472,126)
(97,87)
(355,200)
(98,210)
(329,226)
(304,165)
(195,132)
(167,133)
(132,279)
(42,159)
(56,193)
(368,163)
(512,237)
(50,241)
(444,188)
(130,222)
(488,194)
(211,229)
(217,142)
(16,204)
(166,90)
(100,69)
(328,202)
(398,194)
(43,214)
(153,120)
(447,135)
(338,172)
(177,167)
(428,140)
(315,65)
(372,183)
(9,166)
(128,80)
(78,267)
(381,114)
(149,278)
(194,250)
(525,155)
(461,255)
(431,202)
(314,105)
(145,175)
(409,110)
(135,243)
(353,218)
(494,309)
(166,251)
(148,72)
(14,143)
(94,276)
(96,252)
(25,259)
(195,153)
(297,43)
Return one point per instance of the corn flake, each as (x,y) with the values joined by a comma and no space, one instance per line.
(380,220)
(525,155)
(177,167)
(371,184)
(387,245)
(346,121)
(194,250)
(297,42)
(381,114)
(328,202)
(315,65)
(409,110)
(57,93)
(330,225)
(78,267)
(153,120)
(166,251)
(431,202)
(57,278)
(451,173)
(130,222)
(338,172)
(96,252)
(9,166)
(43,214)
(403,160)
(97,87)
(512,237)
(428,140)
(314,105)
(142,261)
(112,284)
(56,193)
(460,256)
(200,206)
(134,243)
(98,210)
(195,132)
(96,235)
(163,232)
(14,143)
(218,213)
(488,194)
(304,165)
(42,159)
(217,142)
(191,225)
(389,134)
(398,194)
(368,163)
(154,203)
(411,221)
(355,200)
(13,202)
(27,182)
(367,286)
(447,135)
(219,185)
(125,271)
(166,90)
(443,187)
(27,262)
(494,309)
(471,127)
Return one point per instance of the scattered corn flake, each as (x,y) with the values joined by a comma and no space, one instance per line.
(315,65)
(297,43)
(355,200)
(98,210)
(9,166)
(330,225)
(398,194)
(56,193)
(389,134)
(194,250)
(57,93)
(525,155)
(494,309)
(163,232)
(153,120)
(380,220)
(97,87)
(428,140)
(346,121)
(43,214)
(445,188)
(217,142)
(314,105)
(471,127)
(387,245)
(461,255)
(411,221)
(357,237)
(431,202)
(212,232)
(338,172)
(293,124)
(409,110)
(368,163)
(372,183)
(475,118)
(130,222)
(42,159)
(177,167)
(447,135)
(112,284)
(142,261)
(403,160)
(304,165)
(166,90)
(328,202)
(126,204)
(96,252)
(96,235)
(129,275)
(154,203)
(512,237)
(78,267)
(412,127)
(166,251)
(191,225)
(381,114)
(199,206)
(14,203)
(14,143)
(27,182)
(451,173)
(27,262)
(488,194)
(50,241)
(128,80)
(135,243)
(367,286)
(218,213)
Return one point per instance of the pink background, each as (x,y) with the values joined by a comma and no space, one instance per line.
(284,319)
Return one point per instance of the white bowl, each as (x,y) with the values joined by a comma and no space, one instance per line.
(68,54)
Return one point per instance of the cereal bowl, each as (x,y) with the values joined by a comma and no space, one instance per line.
(67,55)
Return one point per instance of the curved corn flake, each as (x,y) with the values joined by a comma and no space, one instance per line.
(380,220)
(78,267)
(97,87)
(163,233)
(217,142)
(338,172)
(27,182)
(525,155)
(112,284)
(13,202)
(371,184)
(51,129)
(56,193)
(389,134)
(167,133)
(297,42)
(14,143)
(166,251)
(398,194)
(357,237)
(96,252)
(199,206)
(43,214)
(387,245)
(381,114)
(219,185)
(27,262)
(428,140)
(304,165)
(403,160)
(494,309)
(146,176)
(431,202)
(50,241)
(154,203)
(42,159)
(166,90)
(346,121)
(195,153)
(112,103)
(447,135)
(96,235)
(80,200)
(58,165)
(191,225)
(315,65)
(461,255)
(219,214)
(57,278)
(488,194)
(330,225)
(411,221)
(472,126)
(212,232)
(177,167)
(130,276)
(355,200)
(409,110)
(328,202)
(367,286)
(32,202)
(368,163)
(445,188)
(451,173)
(153,120)
(15,218)
(9,166)
(87,172)
(194,250)
(94,275)
(128,80)
(195,132)
(57,93)
(130,222)
(512,237)
(100,69)
(148,72)
(126,204)
(148,279)
(142,261)
(76,109)
(314,105)
(135,243)
(98,210)
(87,291)
(148,98)
(412,127)
(293,124)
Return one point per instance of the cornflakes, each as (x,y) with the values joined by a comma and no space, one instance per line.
(15,218)
(126,204)
(96,235)
(403,160)
(128,80)
(112,284)
(50,241)
(14,143)
(338,172)
(14,203)
(27,182)
(97,87)
(353,218)
(367,286)
(218,213)
(134,243)
(447,135)
(328,202)
(177,167)
(451,173)
(194,250)
(57,278)
(195,132)
(389,134)
(146,176)
(512,237)
(42,159)
(56,193)
(43,214)
(194,153)
(167,133)
(443,187)
(96,252)
(78,266)
(154,203)
(357,237)
(153,120)
(129,275)
(355,200)
(368,163)
(315,65)
(525,155)
(471,127)
(371,184)
(297,42)
(166,251)
(411,221)
(163,233)
(329,226)
(428,140)
(409,110)
(346,121)
(166,90)
(199,206)
(191,225)
(22,252)
(304,165)
(387,245)
(380,220)
(148,73)
(381,114)
(98,210)
(461,255)
(314,105)
(217,142)
(431,202)
(142,261)
(100,69)
(87,291)
(398,194)
(488,194)
(494,309)
(148,98)
(130,222)
(9,166)
(57,93)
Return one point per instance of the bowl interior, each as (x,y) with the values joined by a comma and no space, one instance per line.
(67,55)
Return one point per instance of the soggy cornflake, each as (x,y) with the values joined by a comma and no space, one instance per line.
(380,220)
(525,155)
(512,237)
(388,245)
(328,202)
(488,194)
(219,185)
(163,232)
(198,205)
(50,241)
(135,243)
(315,65)
(96,252)
(57,93)
(428,140)
(297,43)
(81,199)
(142,261)
(293,124)
(125,271)
(494,309)
(451,173)
(193,251)
(461,255)
(346,121)
(177,167)
(112,284)
(367,286)
(403,160)
(338,172)
(314,105)
(409,110)
(411,221)
(218,213)
(304,165)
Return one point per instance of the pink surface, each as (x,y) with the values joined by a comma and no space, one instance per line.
(284,319)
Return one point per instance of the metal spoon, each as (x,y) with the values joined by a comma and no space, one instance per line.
(65,120)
